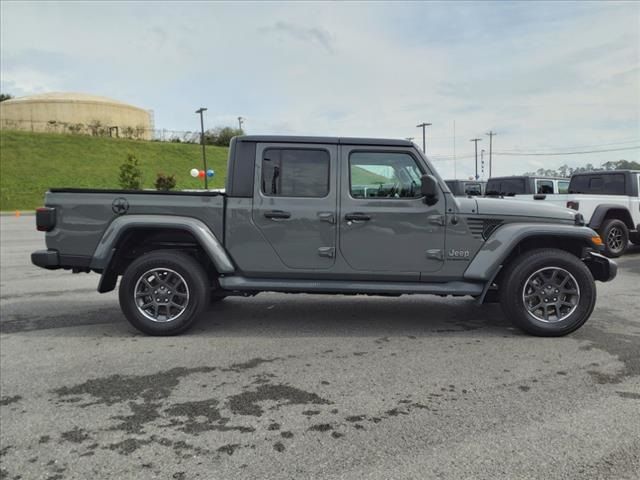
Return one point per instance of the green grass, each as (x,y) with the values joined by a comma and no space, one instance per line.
(362,176)
(31,163)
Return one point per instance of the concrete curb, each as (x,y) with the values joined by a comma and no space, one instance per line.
(17,213)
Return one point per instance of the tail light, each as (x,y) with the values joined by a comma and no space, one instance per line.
(573,205)
(45,219)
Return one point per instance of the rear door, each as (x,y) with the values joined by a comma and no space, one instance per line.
(295,201)
(385,226)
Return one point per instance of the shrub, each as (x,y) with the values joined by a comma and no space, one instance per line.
(95,127)
(130,174)
(165,183)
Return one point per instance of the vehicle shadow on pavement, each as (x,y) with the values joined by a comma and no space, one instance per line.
(277,315)
(311,315)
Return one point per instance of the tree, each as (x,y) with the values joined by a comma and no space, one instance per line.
(221,136)
(566,171)
(5,96)
(130,174)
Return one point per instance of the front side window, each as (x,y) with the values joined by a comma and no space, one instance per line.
(295,172)
(544,186)
(473,189)
(384,175)
(563,186)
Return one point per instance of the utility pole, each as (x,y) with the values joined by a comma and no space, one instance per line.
(476,140)
(491,134)
(482,163)
(204,156)
(455,173)
(240,122)
(424,137)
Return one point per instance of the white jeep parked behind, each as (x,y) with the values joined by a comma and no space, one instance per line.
(609,202)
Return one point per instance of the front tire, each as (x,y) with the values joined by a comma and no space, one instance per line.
(163,292)
(615,236)
(547,292)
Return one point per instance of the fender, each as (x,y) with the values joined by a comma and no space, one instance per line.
(205,237)
(502,242)
(601,211)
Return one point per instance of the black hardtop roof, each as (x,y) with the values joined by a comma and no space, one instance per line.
(604,172)
(539,177)
(334,140)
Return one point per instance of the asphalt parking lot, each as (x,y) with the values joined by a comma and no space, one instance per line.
(297,386)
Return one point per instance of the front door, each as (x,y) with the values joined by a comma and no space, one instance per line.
(385,226)
(295,201)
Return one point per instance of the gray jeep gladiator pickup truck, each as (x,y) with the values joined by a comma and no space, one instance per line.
(331,216)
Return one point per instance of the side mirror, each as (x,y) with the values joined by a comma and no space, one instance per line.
(429,189)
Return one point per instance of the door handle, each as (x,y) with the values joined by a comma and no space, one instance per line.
(277,214)
(357,217)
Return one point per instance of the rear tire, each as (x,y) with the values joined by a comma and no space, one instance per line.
(163,292)
(547,292)
(615,236)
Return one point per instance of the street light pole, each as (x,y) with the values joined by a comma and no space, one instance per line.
(476,140)
(491,135)
(204,155)
(424,135)
(240,122)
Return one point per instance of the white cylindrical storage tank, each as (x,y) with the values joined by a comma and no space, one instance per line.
(75,113)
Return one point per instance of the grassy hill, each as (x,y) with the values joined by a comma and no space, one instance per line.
(361,176)
(31,163)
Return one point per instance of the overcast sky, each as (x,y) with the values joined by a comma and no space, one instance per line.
(547,76)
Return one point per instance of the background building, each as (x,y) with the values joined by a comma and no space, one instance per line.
(76,113)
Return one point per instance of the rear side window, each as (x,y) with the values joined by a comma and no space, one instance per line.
(295,172)
(611,184)
(544,186)
(506,187)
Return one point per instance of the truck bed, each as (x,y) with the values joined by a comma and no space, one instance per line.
(82,215)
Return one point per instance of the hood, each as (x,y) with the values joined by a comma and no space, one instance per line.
(516,208)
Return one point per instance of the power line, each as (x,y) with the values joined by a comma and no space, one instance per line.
(542,154)
(637,140)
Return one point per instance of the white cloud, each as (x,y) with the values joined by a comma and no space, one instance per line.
(544,75)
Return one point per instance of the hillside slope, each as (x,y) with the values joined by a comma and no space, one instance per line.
(31,163)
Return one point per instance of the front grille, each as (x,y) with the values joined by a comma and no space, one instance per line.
(483,227)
